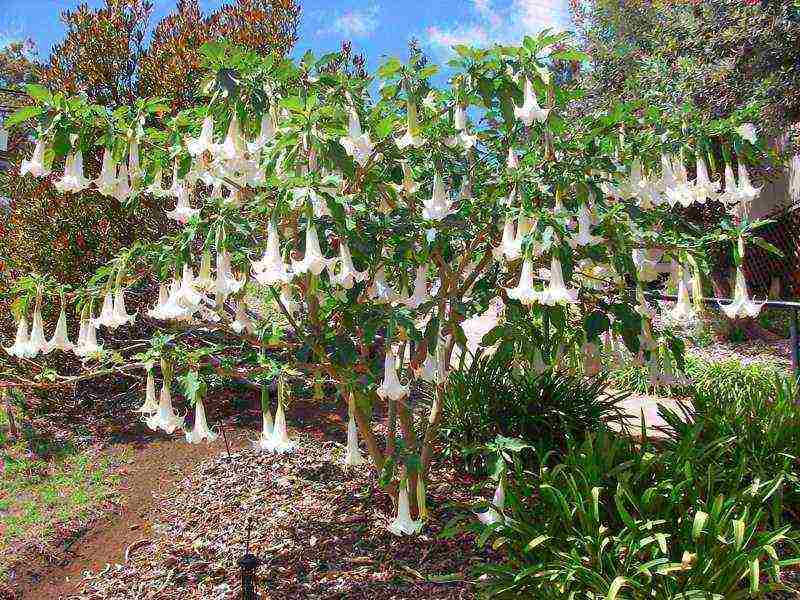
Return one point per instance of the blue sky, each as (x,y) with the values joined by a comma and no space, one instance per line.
(376,27)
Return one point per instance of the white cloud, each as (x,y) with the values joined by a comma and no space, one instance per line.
(487,22)
(356,23)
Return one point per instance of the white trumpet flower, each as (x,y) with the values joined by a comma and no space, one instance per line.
(741,306)
(165,418)
(204,280)
(183,210)
(279,442)
(530,110)
(475,328)
(263,442)
(412,135)
(120,314)
(150,405)
(37,343)
(420,294)
(73,180)
(106,316)
(492,514)
(525,293)
(404,524)
(508,248)
(556,291)
(265,135)
(347,274)
(440,205)
(682,191)
(233,147)
(60,340)
(704,188)
(683,312)
(731,192)
(390,388)
(462,137)
(134,169)
(747,192)
(380,291)
(748,132)
(512,162)
(36,165)
(107,180)
(200,432)
(585,237)
(21,346)
(187,296)
(271,270)
(313,260)
(227,283)
(123,191)
(355,143)
(87,341)
(352,456)
(203,143)
(157,312)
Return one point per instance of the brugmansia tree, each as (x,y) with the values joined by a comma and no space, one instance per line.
(394,236)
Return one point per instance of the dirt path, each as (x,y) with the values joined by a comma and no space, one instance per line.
(155,465)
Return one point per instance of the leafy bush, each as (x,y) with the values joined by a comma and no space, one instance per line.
(489,399)
(615,520)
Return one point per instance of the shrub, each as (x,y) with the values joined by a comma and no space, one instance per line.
(548,410)
(616,520)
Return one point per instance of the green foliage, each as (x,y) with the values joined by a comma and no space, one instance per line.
(616,520)
(490,398)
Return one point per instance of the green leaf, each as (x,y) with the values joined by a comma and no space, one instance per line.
(390,68)
(536,542)
(699,522)
(23,114)
(39,93)
(764,244)
(595,324)
(616,585)
(755,574)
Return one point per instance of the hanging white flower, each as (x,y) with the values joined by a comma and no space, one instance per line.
(150,405)
(475,328)
(530,110)
(347,274)
(205,280)
(412,136)
(747,192)
(165,418)
(748,132)
(120,315)
(234,146)
(36,165)
(227,283)
(390,388)
(380,291)
(512,162)
(265,135)
(106,182)
(508,248)
(60,340)
(683,312)
(352,456)
(263,442)
(279,442)
(704,188)
(37,343)
(492,514)
(731,192)
(462,138)
(525,292)
(584,236)
(440,205)
(123,190)
(313,260)
(741,306)
(157,312)
(106,316)
(20,347)
(187,295)
(134,169)
(355,143)
(200,432)
(183,210)
(87,340)
(404,524)
(682,192)
(203,143)
(73,180)
(556,291)
(271,269)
